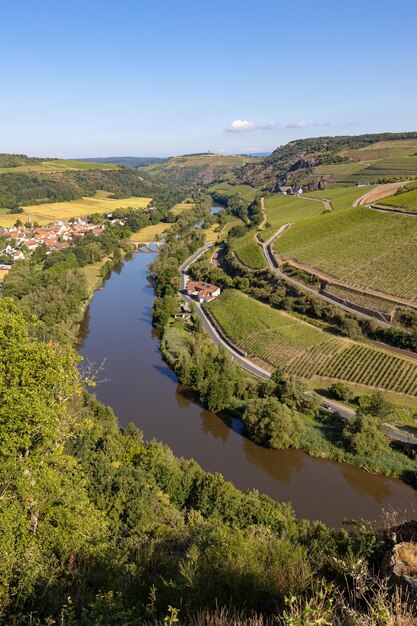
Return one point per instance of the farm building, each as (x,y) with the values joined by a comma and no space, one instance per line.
(285,190)
(203,292)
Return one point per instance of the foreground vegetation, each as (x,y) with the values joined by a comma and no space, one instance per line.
(99,526)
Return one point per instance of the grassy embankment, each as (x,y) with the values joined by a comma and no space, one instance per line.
(363,248)
(406,201)
(283,340)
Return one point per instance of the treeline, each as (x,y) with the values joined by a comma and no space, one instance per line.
(23,188)
(98,526)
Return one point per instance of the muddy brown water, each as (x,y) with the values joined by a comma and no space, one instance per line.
(142,389)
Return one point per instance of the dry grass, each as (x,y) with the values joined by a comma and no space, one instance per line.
(407,553)
(53,211)
(92,274)
(149,233)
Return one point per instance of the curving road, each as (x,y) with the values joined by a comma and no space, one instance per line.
(270,258)
(219,339)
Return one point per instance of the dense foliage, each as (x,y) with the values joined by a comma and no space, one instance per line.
(29,188)
(98,526)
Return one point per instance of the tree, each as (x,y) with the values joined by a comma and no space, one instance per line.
(340,391)
(364,436)
(375,405)
(271,423)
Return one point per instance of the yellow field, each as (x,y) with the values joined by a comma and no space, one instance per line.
(51,212)
(150,232)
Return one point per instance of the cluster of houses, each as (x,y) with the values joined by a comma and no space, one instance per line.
(23,240)
(201,291)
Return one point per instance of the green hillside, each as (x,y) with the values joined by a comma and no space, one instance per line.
(329,160)
(20,163)
(283,340)
(362,247)
(199,169)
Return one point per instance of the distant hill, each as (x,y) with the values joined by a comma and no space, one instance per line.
(30,180)
(201,169)
(20,163)
(326,160)
(128,161)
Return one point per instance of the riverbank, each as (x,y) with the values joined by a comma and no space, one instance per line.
(140,387)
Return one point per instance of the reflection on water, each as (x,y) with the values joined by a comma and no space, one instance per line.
(142,388)
(281,466)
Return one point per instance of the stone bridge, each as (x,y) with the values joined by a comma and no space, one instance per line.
(148,246)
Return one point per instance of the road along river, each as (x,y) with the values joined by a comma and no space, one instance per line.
(142,389)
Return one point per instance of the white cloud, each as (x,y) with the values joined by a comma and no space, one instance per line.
(299,124)
(243,126)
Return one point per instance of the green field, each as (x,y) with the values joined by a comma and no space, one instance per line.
(407,200)
(57,165)
(249,252)
(362,247)
(281,339)
(341,197)
(53,211)
(226,191)
(281,209)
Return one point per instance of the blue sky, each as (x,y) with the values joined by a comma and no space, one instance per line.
(99,78)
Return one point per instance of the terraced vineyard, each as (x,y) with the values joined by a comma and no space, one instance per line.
(341,197)
(364,248)
(280,339)
(249,252)
(281,209)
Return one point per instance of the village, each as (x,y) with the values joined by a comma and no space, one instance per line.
(20,241)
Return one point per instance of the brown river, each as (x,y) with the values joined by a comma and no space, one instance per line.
(142,389)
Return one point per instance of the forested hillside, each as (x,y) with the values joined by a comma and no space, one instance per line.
(198,169)
(23,188)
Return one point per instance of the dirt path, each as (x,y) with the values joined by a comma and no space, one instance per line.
(380,192)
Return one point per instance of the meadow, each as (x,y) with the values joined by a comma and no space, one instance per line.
(53,211)
(407,200)
(359,246)
(226,191)
(57,165)
(283,340)
(341,197)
